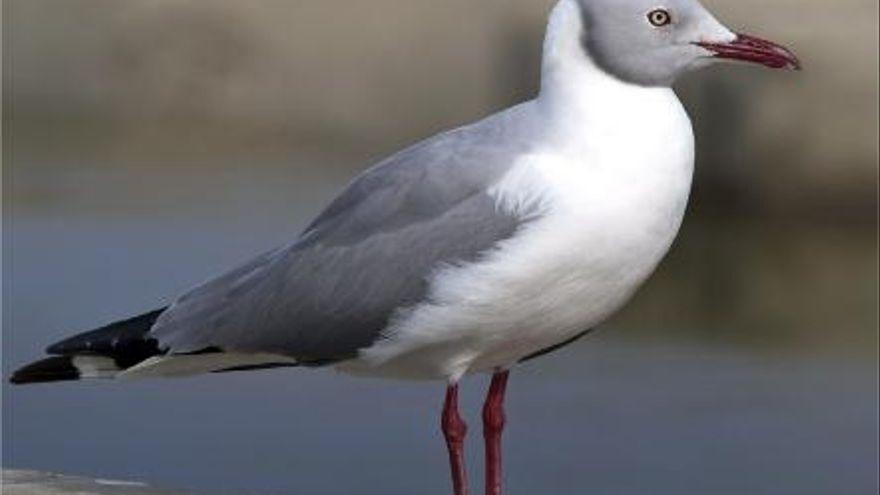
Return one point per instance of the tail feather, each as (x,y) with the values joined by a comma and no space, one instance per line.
(99,353)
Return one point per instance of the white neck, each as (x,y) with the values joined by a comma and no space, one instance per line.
(570,80)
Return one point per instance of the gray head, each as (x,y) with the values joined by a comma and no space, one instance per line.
(653,42)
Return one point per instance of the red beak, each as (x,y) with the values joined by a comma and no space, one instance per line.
(755,50)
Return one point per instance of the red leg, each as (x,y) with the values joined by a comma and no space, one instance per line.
(493,425)
(455,429)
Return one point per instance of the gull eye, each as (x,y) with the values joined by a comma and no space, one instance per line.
(659,17)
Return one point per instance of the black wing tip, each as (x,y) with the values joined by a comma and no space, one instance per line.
(111,339)
(126,342)
(58,348)
(53,369)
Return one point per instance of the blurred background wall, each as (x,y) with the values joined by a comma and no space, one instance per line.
(171,81)
(149,144)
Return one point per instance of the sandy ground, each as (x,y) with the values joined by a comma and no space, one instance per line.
(19,482)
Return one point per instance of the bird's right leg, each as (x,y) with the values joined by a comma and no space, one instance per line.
(454,430)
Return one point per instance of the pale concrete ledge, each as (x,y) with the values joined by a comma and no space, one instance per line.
(20,482)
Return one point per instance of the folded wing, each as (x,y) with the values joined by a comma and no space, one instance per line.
(371,253)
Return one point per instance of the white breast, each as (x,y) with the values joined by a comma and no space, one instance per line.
(610,211)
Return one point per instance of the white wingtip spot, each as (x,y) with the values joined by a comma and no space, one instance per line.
(95,366)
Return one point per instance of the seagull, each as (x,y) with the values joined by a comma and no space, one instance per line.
(473,250)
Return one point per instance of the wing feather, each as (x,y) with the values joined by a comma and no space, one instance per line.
(369,254)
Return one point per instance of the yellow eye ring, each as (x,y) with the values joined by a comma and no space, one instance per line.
(659,17)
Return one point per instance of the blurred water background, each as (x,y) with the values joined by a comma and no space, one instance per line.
(149,144)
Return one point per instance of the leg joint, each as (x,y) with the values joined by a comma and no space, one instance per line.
(454,428)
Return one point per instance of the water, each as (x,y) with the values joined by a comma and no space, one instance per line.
(755,375)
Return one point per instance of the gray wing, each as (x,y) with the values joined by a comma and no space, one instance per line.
(369,254)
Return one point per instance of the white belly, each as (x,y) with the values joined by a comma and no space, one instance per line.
(606,224)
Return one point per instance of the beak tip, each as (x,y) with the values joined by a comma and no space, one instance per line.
(793,64)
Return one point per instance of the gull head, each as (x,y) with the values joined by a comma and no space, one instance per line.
(653,42)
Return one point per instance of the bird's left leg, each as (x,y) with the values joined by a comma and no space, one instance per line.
(493,425)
